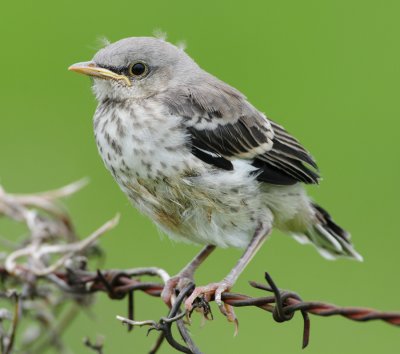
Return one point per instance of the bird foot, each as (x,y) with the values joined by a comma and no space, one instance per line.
(178,281)
(213,290)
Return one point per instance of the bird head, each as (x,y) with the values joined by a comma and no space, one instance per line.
(137,67)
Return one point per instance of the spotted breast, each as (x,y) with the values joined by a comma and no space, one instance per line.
(150,158)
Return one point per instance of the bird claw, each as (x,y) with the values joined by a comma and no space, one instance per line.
(176,282)
(209,291)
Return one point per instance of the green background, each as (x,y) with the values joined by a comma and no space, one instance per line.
(327,70)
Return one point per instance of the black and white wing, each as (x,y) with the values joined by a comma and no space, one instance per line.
(223,126)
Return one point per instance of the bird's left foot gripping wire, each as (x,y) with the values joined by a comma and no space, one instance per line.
(215,290)
(201,296)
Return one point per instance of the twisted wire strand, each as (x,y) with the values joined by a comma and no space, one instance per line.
(282,304)
(293,304)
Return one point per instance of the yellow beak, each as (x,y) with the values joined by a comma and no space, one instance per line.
(91,69)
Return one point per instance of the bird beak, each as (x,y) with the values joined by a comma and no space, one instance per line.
(90,68)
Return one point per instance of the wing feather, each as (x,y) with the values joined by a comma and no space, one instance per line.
(223,126)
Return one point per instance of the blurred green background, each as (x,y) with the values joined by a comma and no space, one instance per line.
(327,70)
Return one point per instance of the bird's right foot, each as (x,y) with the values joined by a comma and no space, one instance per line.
(178,281)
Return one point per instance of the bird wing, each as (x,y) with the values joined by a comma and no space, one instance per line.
(223,126)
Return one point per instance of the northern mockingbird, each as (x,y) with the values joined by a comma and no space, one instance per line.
(205,165)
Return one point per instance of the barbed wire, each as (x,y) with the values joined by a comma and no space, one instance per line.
(48,269)
(283,304)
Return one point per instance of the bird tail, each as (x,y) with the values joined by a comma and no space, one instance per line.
(329,238)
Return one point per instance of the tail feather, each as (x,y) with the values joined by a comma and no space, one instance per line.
(329,238)
(324,217)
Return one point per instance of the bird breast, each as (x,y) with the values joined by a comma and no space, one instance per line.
(141,139)
(146,151)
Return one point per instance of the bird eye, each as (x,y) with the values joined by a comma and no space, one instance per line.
(138,69)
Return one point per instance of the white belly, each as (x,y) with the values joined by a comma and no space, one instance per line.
(188,199)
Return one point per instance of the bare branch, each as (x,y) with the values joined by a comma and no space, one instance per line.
(37,252)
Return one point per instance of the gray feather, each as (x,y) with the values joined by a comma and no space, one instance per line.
(221,120)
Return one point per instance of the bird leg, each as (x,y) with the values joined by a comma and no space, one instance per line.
(185,275)
(216,289)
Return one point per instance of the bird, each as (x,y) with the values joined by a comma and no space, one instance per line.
(206,166)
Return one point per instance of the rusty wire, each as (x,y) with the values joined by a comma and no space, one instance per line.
(283,304)
(293,303)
